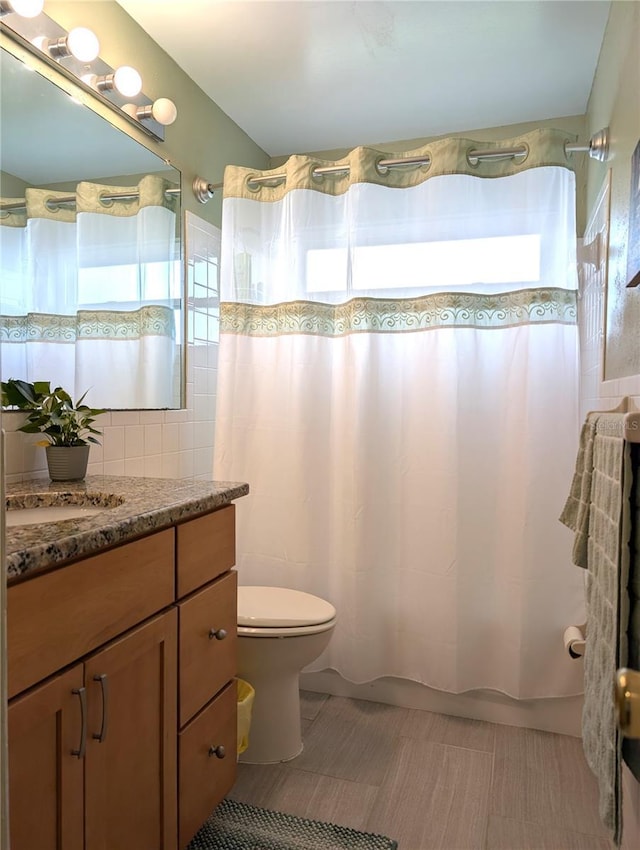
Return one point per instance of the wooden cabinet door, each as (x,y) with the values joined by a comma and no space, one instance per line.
(130,770)
(45,776)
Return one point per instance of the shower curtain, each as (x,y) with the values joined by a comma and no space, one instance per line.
(89,291)
(398,385)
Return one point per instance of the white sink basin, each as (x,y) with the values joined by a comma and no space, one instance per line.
(50,513)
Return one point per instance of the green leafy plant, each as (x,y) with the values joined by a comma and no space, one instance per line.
(52,413)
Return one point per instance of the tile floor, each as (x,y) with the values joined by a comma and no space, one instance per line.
(432,782)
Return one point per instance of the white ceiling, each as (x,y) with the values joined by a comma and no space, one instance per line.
(305,75)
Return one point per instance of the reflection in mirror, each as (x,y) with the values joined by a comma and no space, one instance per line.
(91,295)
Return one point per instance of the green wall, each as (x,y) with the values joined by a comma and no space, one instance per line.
(615,103)
(203,139)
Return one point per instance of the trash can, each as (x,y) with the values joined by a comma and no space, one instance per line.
(245,703)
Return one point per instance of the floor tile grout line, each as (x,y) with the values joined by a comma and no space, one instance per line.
(443,744)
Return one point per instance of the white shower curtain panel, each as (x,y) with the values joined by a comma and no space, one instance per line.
(409,448)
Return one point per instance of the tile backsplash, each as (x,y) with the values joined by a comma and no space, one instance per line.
(155,443)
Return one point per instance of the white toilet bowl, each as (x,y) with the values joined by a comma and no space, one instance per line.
(280,631)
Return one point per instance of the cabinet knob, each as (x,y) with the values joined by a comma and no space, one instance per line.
(218,634)
(218,752)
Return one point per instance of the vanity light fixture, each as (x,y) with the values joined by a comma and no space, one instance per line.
(80,42)
(162,110)
(74,55)
(24,8)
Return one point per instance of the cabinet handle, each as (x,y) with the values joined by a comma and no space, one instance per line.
(218,752)
(104,687)
(82,693)
(218,634)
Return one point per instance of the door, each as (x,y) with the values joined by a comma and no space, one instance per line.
(46,742)
(130,770)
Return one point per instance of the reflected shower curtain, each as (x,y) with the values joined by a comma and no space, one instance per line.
(398,385)
(88,293)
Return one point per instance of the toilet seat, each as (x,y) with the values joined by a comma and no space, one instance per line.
(282,612)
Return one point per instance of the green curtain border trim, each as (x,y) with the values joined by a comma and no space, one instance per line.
(88,325)
(402,315)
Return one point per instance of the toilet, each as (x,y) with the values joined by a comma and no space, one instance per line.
(280,631)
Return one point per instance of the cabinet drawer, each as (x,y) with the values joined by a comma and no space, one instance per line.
(206,548)
(207,662)
(55,618)
(205,778)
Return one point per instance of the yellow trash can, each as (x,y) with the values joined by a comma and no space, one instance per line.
(245,703)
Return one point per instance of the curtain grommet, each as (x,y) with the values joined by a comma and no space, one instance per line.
(104,202)
(318,178)
(383,171)
(521,158)
(251,185)
(52,205)
(472,161)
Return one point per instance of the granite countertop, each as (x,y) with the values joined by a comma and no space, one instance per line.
(132,507)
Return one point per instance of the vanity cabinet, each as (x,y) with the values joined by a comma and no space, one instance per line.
(122,717)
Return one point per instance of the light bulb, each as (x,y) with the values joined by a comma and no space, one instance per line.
(164,111)
(24,8)
(83,44)
(127,81)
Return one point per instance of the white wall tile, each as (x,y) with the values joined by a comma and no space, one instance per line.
(186,435)
(113,467)
(125,417)
(153,439)
(170,437)
(134,466)
(151,417)
(203,434)
(134,441)
(153,466)
(113,443)
(171,464)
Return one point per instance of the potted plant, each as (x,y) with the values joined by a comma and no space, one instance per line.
(67,426)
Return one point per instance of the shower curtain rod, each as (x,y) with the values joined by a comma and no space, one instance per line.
(71,199)
(474,157)
(597,148)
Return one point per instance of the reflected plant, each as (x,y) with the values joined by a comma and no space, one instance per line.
(52,413)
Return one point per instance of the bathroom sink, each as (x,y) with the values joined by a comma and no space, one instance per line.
(55,513)
(32,509)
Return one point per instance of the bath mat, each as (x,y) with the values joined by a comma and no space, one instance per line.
(238,826)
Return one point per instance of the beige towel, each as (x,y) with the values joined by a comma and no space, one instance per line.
(576,510)
(598,510)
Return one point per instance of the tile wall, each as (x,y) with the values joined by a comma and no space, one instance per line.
(156,443)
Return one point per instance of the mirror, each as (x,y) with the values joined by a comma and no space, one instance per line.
(92,293)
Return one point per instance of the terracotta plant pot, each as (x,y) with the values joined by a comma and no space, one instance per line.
(67,463)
